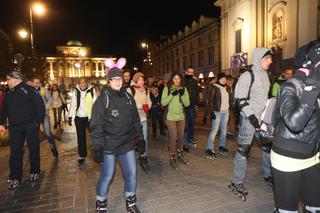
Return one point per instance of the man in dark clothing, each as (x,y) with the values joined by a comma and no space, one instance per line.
(193,89)
(25,110)
(156,111)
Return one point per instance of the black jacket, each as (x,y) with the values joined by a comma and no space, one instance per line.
(296,124)
(193,90)
(115,122)
(23,104)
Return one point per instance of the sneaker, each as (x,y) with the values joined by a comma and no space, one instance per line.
(13,184)
(223,151)
(210,154)
(268,181)
(34,177)
(81,161)
(55,152)
(193,141)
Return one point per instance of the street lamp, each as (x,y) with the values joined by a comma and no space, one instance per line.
(23,33)
(145,45)
(38,9)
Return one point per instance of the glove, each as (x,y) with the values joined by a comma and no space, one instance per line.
(213,116)
(141,146)
(310,97)
(254,121)
(175,92)
(98,156)
(145,108)
(70,121)
(181,91)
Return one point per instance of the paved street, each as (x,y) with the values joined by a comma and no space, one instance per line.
(198,187)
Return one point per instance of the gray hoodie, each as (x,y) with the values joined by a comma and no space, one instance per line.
(260,87)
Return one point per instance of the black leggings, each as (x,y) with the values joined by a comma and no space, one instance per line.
(289,187)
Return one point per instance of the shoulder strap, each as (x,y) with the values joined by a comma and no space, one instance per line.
(251,82)
(133,91)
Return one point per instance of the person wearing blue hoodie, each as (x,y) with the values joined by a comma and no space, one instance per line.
(250,112)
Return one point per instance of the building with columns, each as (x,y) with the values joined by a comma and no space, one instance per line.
(282,25)
(197,46)
(72,61)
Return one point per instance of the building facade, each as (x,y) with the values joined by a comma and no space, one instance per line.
(282,25)
(5,54)
(197,46)
(73,61)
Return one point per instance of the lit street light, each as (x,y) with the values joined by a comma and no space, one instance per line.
(23,33)
(38,9)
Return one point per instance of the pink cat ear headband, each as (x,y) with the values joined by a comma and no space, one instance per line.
(120,63)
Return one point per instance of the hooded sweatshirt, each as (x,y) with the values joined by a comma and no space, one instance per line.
(260,87)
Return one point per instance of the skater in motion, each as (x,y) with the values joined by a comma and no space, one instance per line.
(219,108)
(114,125)
(175,97)
(80,111)
(25,110)
(295,150)
(251,100)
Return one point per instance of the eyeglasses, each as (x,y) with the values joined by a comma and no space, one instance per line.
(116,79)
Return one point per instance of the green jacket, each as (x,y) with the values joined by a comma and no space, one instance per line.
(276,85)
(175,104)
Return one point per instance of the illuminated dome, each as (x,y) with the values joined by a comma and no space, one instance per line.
(74,43)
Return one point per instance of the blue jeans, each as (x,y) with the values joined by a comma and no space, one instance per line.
(145,136)
(190,122)
(128,165)
(47,132)
(222,121)
(245,137)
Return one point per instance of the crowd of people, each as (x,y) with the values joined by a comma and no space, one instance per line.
(117,116)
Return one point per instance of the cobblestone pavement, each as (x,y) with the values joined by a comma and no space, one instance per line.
(198,187)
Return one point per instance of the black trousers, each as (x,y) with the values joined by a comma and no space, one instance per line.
(81,125)
(290,187)
(157,116)
(17,136)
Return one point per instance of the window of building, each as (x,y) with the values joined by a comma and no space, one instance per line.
(183,49)
(178,64)
(191,45)
(192,60)
(238,41)
(201,58)
(99,66)
(199,41)
(210,36)
(177,52)
(211,55)
(185,62)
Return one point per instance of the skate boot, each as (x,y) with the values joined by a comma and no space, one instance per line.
(13,184)
(131,204)
(144,164)
(173,161)
(193,143)
(239,189)
(181,157)
(223,151)
(101,206)
(81,161)
(34,177)
(210,154)
(268,181)
(186,147)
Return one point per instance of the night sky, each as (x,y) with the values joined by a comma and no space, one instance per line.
(109,26)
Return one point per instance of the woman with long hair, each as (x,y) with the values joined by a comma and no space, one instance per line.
(58,101)
(175,97)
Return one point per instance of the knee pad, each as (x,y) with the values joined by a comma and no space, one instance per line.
(244,149)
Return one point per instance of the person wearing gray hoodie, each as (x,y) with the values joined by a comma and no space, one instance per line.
(251,110)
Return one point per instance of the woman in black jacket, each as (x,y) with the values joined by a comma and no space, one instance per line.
(295,151)
(114,125)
